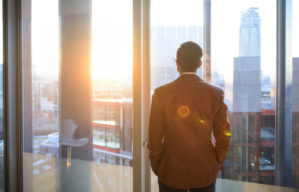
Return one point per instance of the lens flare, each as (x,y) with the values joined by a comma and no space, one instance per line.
(183,111)
(201,121)
(227,133)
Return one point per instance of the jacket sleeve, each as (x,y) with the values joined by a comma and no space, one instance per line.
(156,129)
(221,130)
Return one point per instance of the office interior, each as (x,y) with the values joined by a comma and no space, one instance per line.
(77,76)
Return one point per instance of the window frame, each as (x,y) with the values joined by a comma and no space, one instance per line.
(283,112)
(12,96)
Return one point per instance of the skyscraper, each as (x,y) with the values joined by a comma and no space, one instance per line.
(247,83)
(249,42)
(252,127)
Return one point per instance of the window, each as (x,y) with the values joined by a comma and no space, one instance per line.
(243,64)
(77,79)
(76,64)
(170,30)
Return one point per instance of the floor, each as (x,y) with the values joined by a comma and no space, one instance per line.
(47,173)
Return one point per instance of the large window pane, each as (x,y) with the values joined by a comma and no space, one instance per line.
(172,23)
(77,96)
(112,91)
(243,64)
(183,22)
(40,60)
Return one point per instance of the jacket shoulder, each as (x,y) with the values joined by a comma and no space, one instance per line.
(206,86)
(213,87)
(218,92)
(163,89)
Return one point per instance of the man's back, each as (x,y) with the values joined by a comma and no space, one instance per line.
(183,115)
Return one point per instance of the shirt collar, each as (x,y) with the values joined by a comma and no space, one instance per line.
(188,73)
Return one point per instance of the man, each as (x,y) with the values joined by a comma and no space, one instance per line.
(184,114)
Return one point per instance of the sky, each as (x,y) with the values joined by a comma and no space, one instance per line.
(225,28)
(112,39)
(226,17)
(45,37)
(111,20)
(177,12)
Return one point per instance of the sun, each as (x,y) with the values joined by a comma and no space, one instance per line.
(112,40)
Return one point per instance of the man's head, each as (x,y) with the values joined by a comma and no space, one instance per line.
(188,57)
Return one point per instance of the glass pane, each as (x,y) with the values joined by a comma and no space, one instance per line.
(77,79)
(170,30)
(183,21)
(243,63)
(1,104)
(295,90)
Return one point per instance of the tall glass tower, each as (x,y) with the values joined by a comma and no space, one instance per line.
(249,42)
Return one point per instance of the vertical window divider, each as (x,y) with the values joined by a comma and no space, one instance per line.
(137,174)
(145,93)
(207,40)
(12,95)
(283,124)
(141,94)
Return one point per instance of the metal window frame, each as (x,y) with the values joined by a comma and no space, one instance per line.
(137,175)
(141,94)
(207,40)
(284,70)
(12,95)
(145,95)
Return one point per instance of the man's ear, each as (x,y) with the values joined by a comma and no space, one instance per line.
(200,64)
(177,65)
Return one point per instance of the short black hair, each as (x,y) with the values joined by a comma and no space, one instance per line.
(189,56)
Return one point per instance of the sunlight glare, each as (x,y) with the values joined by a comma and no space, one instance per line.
(111,39)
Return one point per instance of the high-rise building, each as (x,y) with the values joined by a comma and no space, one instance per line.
(247,84)
(249,42)
(252,127)
(247,70)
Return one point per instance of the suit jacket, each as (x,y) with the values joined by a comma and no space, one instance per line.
(184,113)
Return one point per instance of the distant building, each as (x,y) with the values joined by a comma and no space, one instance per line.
(249,42)
(295,103)
(113,131)
(247,84)
(251,156)
(266,101)
(295,122)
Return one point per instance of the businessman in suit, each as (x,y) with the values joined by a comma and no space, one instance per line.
(184,114)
